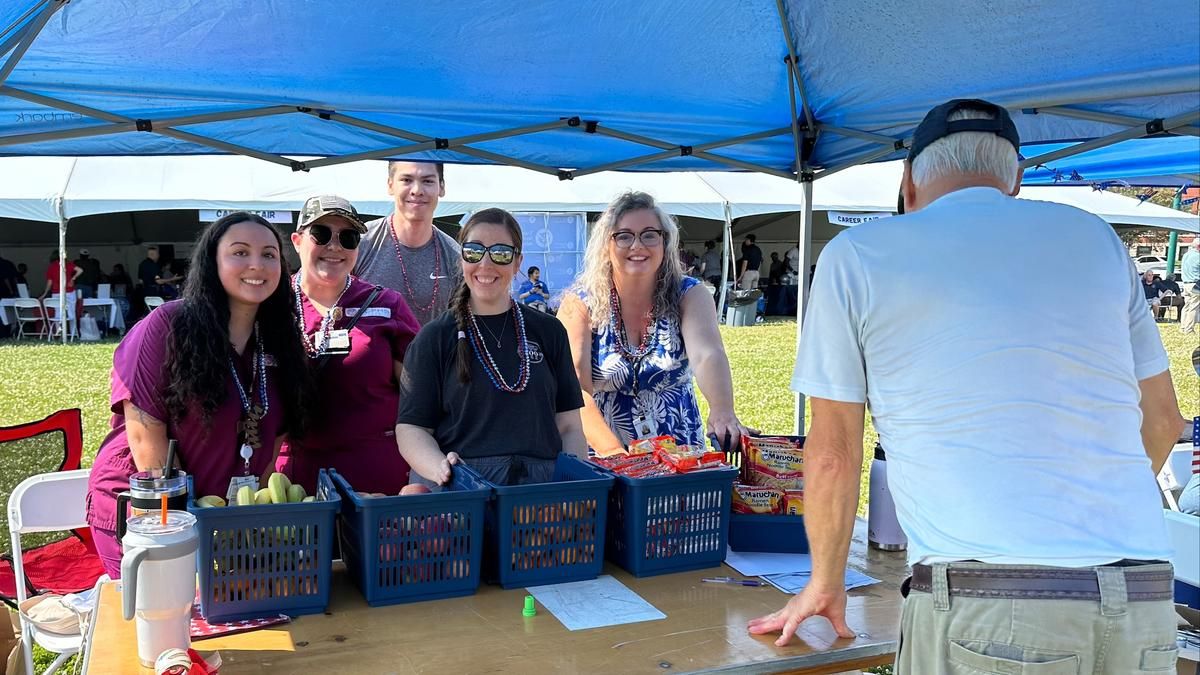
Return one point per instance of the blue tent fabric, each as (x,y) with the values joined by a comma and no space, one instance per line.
(1173,161)
(682,73)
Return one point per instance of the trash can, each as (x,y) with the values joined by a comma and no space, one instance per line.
(743,307)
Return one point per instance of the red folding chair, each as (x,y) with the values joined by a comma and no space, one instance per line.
(69,565)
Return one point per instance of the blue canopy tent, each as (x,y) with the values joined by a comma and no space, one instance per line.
(1151,162)
(794,88)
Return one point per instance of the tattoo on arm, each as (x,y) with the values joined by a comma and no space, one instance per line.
(144,418)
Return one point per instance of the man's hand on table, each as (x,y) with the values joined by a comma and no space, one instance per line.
(812,601)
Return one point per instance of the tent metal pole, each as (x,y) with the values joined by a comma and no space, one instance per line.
(795,73)
(620,164)
(227,147)
(862,159)
(30,33)
(1108,118)
(438,144)
(749,166)
(726,261)
(799,155)
(1149,128)
(60,208)
(859,134)
(719,159)
(805,239)
(420,138)
(17,36)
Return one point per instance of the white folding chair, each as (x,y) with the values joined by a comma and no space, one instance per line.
(104,291)
(29,311)
(153,301)
(1175,474)
(57,323)
(23,290)
(47,502)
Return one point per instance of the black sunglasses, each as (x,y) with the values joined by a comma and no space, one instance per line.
(501,254)
(323,234)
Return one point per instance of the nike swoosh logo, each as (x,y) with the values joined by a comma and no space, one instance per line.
(431,276)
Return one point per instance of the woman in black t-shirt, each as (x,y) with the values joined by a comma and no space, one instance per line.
(491,382)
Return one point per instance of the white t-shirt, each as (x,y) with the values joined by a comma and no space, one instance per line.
(1010,419)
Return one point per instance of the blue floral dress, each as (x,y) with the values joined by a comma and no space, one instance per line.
(656,389)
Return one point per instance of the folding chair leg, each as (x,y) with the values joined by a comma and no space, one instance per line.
(57,663)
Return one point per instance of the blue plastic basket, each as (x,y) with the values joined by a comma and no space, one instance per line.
(666,524)
(548,533)
(415,547)
(262,560)
(753,532)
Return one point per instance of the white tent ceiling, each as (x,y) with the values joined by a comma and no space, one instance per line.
(93,185)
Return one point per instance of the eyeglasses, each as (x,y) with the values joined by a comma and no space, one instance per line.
(501,254)
(649,238)
(323,234)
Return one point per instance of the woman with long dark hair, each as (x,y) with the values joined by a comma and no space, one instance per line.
(491,381)
(221,371)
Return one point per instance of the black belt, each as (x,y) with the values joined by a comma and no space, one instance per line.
(1044,583)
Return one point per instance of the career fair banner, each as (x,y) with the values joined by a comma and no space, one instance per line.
(276,217)
(849,218)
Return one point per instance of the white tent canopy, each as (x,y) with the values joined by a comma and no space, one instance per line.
(94,185)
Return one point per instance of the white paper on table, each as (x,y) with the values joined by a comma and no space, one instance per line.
(794,583)
(758,564)
(595,603)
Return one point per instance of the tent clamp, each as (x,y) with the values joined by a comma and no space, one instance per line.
(590,126)
(807,176)
(899,145)
(572,121)
(1155,126)
(564,174)
(441,143)
(144,125)
(685,151)
(299,166)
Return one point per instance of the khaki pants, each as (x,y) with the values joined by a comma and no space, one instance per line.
(749,280)
(1191,306)
(943,635)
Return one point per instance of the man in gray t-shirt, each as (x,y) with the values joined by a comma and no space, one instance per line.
(404,251)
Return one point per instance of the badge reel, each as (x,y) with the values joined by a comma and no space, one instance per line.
(339,343)
(236,483)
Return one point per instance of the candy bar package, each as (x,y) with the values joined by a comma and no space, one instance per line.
(646,446)
(773,461)
(684,458)
(755,499)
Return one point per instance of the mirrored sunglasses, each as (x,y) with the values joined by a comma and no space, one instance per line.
(501,254)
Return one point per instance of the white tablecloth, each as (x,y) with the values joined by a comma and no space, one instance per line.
(115,319)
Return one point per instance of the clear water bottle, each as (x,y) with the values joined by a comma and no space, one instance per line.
(883,529)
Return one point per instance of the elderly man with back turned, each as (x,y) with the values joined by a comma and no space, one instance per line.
(404,251)
(1022,442)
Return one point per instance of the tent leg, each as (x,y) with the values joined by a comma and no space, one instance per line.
(726,256)
(62,268)
(805,244)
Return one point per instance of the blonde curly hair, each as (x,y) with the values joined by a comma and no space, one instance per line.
(595,281)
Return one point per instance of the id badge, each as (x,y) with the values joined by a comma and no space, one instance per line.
(339,342)
(236,484)
(643,427)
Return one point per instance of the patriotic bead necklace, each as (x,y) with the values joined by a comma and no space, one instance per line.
(312,347)
(252,412)
(437,268)
(489,364)
(617,324)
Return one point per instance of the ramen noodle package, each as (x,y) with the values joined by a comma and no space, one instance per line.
(793,502)
(755,499)
(773,461)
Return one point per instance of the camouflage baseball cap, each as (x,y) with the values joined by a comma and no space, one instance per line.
(329,205)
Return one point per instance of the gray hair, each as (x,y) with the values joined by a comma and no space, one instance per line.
(970,152)
(595,280)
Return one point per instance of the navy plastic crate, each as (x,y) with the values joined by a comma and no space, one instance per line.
(415,547)
(666,524)
(765,533)
(262,560)
(548,533)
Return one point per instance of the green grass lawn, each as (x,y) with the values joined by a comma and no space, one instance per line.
(40,378)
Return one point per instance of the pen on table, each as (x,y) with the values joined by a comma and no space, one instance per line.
(735,582)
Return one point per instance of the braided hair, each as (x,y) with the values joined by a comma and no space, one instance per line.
(460,302)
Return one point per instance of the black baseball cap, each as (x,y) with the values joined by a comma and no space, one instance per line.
(935,124)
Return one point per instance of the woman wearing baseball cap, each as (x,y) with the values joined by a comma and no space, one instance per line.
(355,335)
